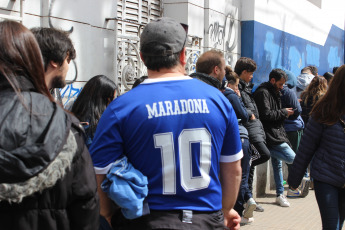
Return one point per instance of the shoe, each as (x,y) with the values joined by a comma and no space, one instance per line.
(293,193)
(245,221)
(282,201)
(249,208)
(305,187)
(259,208)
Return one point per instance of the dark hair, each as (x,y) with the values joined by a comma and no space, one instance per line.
(138,81)
(328,76)
(93,99)
(315,90)
(306,69)
(335,69)
(278,74)
(158,62)
(331,106)
(208,60)
(230,75)
(245,63)
(313,70)
(55,45)
(20,56)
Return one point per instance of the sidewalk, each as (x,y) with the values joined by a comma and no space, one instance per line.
(303,214)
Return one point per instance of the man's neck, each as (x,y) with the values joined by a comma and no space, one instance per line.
(162,73)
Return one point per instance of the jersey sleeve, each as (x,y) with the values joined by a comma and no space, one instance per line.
(232,146)
(107,145)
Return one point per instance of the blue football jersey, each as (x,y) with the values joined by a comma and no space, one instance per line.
(176,131)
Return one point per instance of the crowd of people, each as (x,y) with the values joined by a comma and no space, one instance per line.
(175,152)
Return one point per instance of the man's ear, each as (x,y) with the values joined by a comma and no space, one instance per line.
(273,80)
(53,64)
(141,57)
(183,57)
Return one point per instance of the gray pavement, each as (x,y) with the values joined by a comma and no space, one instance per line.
(303,214)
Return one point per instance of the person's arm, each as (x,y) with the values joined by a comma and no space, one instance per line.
(107,207)
(230,179)
(83,210)
(309,143)
(239,108)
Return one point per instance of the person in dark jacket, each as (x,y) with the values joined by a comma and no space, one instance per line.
(294,126)
(272,116)
(47,179)
(245,68)
(323,144)
(245,204)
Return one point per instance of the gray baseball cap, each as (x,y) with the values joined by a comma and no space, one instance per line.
(166,32)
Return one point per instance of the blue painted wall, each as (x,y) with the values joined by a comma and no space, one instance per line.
(272,48)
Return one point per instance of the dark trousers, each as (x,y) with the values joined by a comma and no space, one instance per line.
(295,138)
(244,193)
(331,201)
(174,220)
(265,155)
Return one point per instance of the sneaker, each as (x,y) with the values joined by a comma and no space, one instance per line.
(293,193)
(282,201)
(249,208)
(305,187)
(259,208)
(245,221)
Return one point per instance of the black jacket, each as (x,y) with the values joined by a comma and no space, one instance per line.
(47,180)
(255,129)
(325,147)
(207,79)
(272,115)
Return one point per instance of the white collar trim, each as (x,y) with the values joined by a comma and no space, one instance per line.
(163,79)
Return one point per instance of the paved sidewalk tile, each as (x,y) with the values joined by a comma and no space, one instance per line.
(303,214)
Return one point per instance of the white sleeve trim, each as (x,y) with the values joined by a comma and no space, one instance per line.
(104,170)
(231,158)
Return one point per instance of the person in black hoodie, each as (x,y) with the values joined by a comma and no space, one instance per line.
(47,179)
(245,67)
(268,99)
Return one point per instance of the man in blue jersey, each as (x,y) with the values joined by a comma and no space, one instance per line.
(179,132)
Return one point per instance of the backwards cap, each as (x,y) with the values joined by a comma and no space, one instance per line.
(167,33)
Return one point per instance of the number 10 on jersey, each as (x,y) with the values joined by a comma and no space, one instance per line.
(186,138)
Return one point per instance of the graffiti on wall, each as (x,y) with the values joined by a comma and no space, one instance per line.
(286,51)
(223,35)
(70,93)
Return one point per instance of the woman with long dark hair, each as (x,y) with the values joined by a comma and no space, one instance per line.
(93,99)
(46,176)
(314,91)
(323,143)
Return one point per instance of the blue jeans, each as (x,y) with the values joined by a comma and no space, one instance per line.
(244,194)
(331,201)
(279,153)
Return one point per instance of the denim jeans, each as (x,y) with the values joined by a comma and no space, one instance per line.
(244,193)
(331,201)
(279,153)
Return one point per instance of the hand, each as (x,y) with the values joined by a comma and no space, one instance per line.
(232,219)
(290,111)
(237,91)
(252,117)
